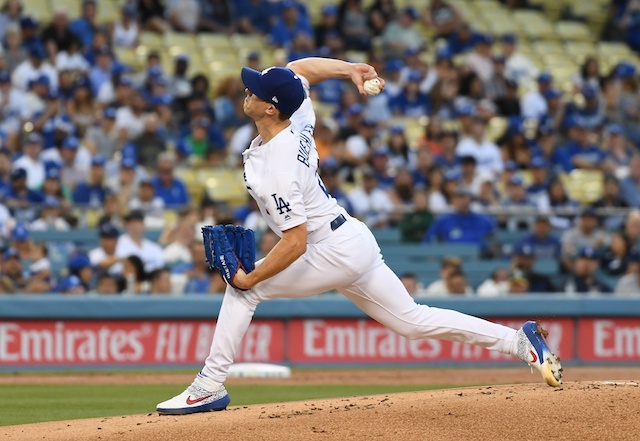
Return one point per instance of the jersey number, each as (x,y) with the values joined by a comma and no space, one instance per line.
(281,205)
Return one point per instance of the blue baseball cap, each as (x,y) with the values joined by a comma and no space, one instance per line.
(109,113)
(11,253)
(414,75)
(52,173)
(411,51)
(516,180)
(33,138)
(18,173)
(444,53)
(20,232)
(103,50)
(411,12)
(510,166)
(329,9)
(183,148)
(128,162)
(396,128)
(538,162)
(71,142)
(551,93)
(277,85)
(451,175)
(544,77)
(485,39)
(109,231)
(155,71)
(98,161)
(615,129)
(161,100)
(355,109)
(589,92)
(36,51)
(393,65)
(28,23)
(625,70)
(4,76)
(509,38)
(69,283)
(78,261)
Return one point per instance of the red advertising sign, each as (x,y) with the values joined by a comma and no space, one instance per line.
(128,342)
(609,339)
(349,341)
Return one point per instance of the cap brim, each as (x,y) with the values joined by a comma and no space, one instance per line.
(251,80)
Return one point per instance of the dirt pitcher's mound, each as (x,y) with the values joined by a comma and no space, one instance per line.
(577,411)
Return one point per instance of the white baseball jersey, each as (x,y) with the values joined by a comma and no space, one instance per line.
(282,176)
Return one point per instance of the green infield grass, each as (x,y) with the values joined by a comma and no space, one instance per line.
(22,404)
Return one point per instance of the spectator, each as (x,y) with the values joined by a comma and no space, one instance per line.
(179,85)
(487,154)
(134,275)
(618,150)
(126,184)
(533,104)
(104,257)
(151,16)
(30,161)
(198,138)
(617,259)
(480,60)
(496,86)
(125,31)
(379,162)
(370,203)
(416,221)
(19,198)
(150,143)
(71,285)
(359,146)
(52,188)
(522,265)
(497,285)
(169,188)
(328,24)
(520,207)
(586,234)
(508,104)
(11,105)
(401,156)
(353,25)
(32,68)
(134,243)
(79,265)
(543,244)
(443,18)
(539,186)
(102,138)
(217,16)
(629,284)
(332,181)
(583,278)
(50,216)
(462,40)
(288,25)
(470,177)
(630,185)
(448,266)
(107,284)
(130,117)
(80,107)
(437,201)
(559,200)
(461,226)
(85,26)
(589,75)
(151,205)
(456,284)
(254,16)
(201,280)
(57,37)
(10,15)
(160,281)
(411,101)
(402,33)
(591,111)
(411,284)
(92,192)
(100,74)
(611,199)
(519,67)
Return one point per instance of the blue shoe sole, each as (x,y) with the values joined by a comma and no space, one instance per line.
(217,405)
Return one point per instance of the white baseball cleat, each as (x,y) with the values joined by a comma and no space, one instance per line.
(195,399)
(530,346)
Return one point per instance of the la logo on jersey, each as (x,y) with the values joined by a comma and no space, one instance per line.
(281,205)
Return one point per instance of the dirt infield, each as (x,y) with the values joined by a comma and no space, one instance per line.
(587,410)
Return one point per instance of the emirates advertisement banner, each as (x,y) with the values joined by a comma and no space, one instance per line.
(298,341)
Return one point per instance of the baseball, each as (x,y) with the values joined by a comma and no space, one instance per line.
(372,87)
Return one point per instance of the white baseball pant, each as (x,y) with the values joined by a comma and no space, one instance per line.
(348,260)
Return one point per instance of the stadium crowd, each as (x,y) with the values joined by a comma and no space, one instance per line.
(83,132)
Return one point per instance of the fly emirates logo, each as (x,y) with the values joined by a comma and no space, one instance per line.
(59,343)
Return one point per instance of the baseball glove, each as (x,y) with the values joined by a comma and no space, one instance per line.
(229,249)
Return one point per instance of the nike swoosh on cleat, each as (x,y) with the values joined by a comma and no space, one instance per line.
(533,354)
(190,401)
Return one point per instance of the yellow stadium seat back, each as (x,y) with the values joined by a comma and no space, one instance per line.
(585,186)
(151,40)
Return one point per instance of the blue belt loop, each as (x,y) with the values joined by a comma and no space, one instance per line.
(335,224)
